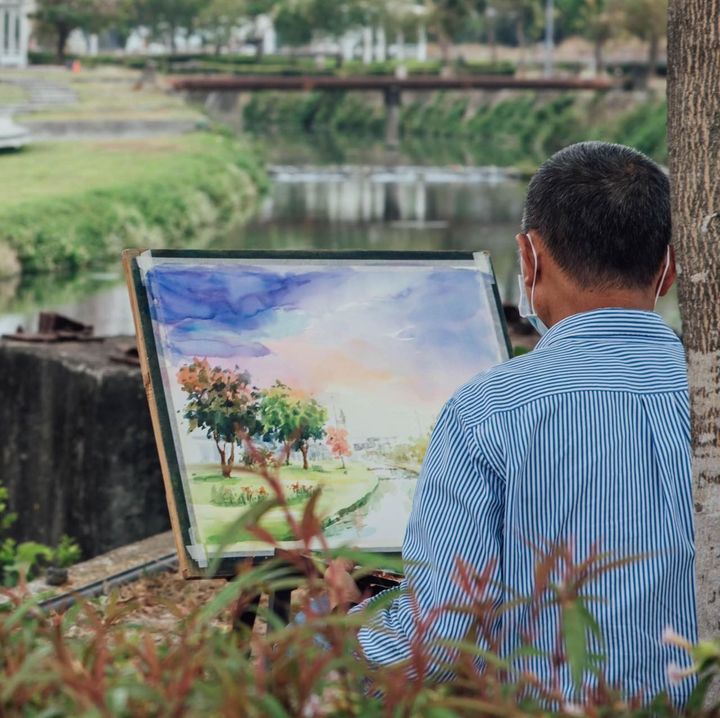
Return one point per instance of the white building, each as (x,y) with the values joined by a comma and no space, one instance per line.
(14,32)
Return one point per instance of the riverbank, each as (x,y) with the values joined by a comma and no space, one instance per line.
(509,129)
(127,164)
(68,204)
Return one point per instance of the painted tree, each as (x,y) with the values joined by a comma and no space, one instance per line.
(223,403)
(276,416)
(694,143)
(337,440)
(291,422)
(310,426)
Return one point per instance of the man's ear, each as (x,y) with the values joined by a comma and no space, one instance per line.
(671,275)
(527,259)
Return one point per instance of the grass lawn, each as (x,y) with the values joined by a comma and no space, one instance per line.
(340,489)
(60,169)
(10,94)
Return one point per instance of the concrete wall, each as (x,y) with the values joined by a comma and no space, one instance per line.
(77,453)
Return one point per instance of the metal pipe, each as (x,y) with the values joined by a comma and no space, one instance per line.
(62,602)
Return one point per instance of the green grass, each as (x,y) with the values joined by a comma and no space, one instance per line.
(340,489)
(10,94)
(62,169)
(66,205)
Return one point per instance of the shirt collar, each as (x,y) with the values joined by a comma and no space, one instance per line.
(610,324)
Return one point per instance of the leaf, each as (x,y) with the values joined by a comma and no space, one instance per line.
(574,635)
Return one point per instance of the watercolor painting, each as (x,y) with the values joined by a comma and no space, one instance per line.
(335,370)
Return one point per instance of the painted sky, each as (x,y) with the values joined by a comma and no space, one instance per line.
(387,345)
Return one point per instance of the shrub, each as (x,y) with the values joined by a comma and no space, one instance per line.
(24,560)
(96,660)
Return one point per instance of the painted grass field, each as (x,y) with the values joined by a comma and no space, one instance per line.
(340,490)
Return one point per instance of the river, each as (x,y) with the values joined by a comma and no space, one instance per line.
(326,196)
(380,523)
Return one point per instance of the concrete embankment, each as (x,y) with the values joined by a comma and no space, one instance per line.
(78,454)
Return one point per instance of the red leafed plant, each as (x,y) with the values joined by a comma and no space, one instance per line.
(99,659)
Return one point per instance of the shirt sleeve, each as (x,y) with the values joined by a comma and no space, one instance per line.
(457,515)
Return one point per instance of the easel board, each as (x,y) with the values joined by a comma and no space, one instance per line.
(335,365)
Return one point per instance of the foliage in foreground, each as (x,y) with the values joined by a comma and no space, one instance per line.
(28,557)
(96,659)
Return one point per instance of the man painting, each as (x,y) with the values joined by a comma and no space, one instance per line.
(583,442)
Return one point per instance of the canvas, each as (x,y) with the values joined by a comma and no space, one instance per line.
(333,367)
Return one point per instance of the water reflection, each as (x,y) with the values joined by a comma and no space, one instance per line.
(364,199)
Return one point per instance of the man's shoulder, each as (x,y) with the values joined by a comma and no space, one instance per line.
(505,385)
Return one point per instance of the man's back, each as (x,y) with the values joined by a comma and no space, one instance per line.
(590,435)
(583,441)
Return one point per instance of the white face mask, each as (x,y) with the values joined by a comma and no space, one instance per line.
(526,306)
(667,269)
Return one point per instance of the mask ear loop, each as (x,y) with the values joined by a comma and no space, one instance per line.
(532,291)
(667,268)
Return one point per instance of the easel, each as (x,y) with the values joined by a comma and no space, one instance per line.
(279,601)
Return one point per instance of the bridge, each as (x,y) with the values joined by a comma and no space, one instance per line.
(392,87)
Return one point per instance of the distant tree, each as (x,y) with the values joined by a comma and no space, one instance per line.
(598,22)
(646,19)
(60,17)
(165,19)
(217,20)
(525,15)
(223,403)
(447,18)
(337,440)
(292,423)
(293,26)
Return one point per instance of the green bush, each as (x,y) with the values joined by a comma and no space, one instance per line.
(98,659)
(26,559)
(523,129)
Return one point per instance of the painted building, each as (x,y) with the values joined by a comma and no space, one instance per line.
(14,32)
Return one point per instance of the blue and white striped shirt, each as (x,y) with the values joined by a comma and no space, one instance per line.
(585,440)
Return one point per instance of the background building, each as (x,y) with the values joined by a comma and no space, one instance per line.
(14,33)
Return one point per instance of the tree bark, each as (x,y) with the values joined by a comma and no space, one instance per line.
(63,33)
(304,452)
(522,43)
(653,54)
(694,141)
(599,57)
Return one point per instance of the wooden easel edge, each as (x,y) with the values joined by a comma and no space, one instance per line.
(128,257)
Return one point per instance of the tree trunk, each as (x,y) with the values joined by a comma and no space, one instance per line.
(304,452)
(342,461)
(522,44)
(599,57)
(445,49)
(225,466)
(288,449)
(694,140)
(63,33)
(653,54)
